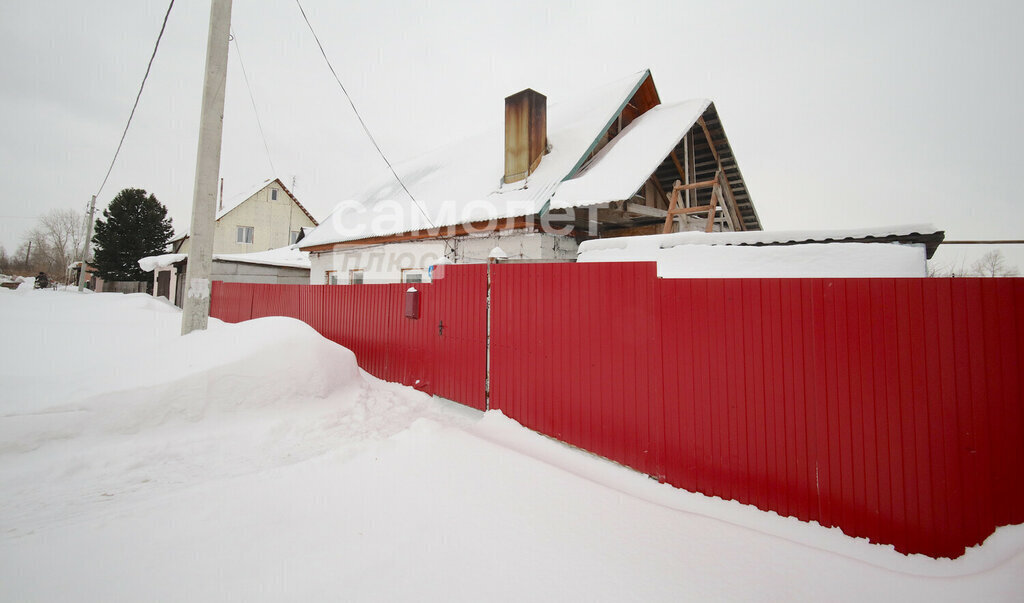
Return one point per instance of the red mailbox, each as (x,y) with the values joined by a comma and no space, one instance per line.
(412,303)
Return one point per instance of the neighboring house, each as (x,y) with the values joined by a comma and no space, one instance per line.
(614,162)
(267,217)
(284,266)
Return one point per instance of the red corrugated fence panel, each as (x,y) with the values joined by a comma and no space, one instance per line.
(891,408)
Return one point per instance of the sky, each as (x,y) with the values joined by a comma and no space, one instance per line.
(841,114)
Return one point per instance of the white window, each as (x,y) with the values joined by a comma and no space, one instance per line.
(355,277)
(294,236)
(273,194)
(331,277)
(245,234)
(412,275)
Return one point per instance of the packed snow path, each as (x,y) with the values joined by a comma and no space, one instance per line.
(256,462)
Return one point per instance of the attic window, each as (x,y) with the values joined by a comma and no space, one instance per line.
(273,194)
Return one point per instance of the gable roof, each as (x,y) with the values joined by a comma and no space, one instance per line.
(237,200)
(462,182)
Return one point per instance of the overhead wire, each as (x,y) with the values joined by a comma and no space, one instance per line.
(366,129)
(259,124)
(142,86)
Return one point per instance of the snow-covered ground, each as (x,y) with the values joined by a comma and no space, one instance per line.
(256,462)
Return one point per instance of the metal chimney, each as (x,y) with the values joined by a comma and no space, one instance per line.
(525,133)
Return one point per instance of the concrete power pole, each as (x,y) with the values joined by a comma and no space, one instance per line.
(196,311)
(85,248)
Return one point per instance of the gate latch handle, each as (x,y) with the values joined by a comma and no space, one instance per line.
(440,328)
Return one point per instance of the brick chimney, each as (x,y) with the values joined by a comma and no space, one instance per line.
(525,133)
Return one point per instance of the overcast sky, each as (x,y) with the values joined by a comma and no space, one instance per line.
(841,114)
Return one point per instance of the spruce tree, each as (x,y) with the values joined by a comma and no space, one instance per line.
(133,226)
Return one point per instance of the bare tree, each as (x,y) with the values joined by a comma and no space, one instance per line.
(993,264)
(951,270)
(56,241)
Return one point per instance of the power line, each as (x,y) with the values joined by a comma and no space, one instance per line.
(259,124)
(137,97)
(360,118)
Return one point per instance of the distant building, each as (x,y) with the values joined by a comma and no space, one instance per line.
(267,217)
(284,266)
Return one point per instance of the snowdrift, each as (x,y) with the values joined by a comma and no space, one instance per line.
(255,462)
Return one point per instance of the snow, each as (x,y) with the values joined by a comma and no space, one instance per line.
(462,182)
(497,254)
(622,166)
(256,462)
(288,257)
(810,260)
(733,254)
(753,237)
(160,262)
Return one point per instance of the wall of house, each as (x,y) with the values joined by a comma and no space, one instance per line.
(518,245)
(240,272)
(388,262)
(272,222)
(231,272)
(378,263)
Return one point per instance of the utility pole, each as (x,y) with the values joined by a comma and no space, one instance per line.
(196,311)
(28,252)
(85,248)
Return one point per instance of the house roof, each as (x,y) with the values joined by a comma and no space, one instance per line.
(240,198)
(462,182)
(925,234)
(622,166)
(287,257)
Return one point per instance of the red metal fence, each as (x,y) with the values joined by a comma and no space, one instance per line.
(891,408)
(442,353)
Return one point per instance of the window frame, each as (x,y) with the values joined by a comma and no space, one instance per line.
(407,272)
(245,232)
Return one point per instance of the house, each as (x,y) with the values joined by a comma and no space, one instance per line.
(283,266)
(613,162)
(265,217)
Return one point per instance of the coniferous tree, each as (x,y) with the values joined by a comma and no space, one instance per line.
(133,226)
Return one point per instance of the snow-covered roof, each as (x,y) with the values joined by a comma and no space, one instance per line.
(462,182)
(287,257)
(159,262)
(810,260)
(926,234)
(622,166)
